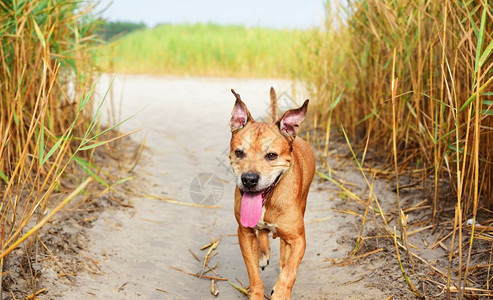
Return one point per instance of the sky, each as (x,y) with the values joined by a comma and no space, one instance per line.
(268,13)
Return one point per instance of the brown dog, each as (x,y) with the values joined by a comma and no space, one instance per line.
(273,169)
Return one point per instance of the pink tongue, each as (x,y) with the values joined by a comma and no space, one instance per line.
(251,209)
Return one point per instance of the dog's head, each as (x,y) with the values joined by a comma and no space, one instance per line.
(260,152)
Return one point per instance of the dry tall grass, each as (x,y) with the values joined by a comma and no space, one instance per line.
(442,75)
(413,79)
(46,111)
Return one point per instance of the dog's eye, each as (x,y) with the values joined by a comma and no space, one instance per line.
(271,156)
(239,153)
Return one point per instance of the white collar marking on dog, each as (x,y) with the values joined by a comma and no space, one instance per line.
(264,225)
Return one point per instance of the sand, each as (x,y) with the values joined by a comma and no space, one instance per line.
(185,124)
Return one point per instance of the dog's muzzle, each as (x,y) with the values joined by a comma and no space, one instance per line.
(249,180)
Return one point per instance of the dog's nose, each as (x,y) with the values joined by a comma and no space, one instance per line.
(249,179)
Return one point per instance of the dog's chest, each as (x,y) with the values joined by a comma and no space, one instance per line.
(265,225)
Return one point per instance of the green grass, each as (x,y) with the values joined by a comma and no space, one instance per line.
(205,50)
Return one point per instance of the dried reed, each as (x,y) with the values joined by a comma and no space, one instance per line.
(415,79)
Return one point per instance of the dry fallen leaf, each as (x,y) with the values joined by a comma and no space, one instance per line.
(214,288)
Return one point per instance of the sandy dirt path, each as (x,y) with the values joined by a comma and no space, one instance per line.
(185,123)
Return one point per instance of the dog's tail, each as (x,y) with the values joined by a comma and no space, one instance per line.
(273,105)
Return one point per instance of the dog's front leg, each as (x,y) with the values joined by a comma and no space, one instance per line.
(249,250)
(263,248)
(295,249)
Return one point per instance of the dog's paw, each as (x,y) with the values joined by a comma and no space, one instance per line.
(280,293)
(279,296)
(256,292)
(263,261)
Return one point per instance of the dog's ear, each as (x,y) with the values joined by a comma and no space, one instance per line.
(240,115)
(289,123)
